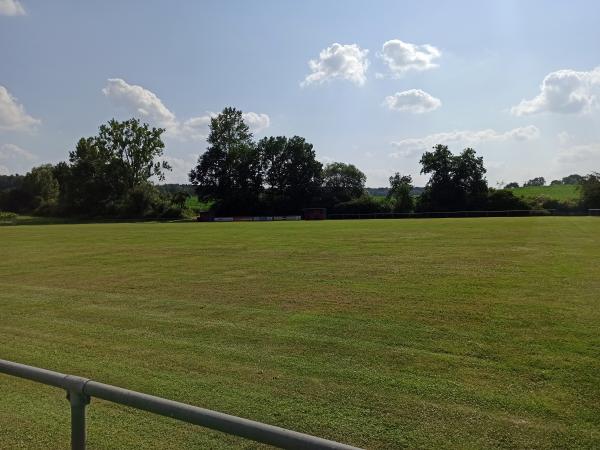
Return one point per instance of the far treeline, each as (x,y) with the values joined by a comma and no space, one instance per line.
(113,174)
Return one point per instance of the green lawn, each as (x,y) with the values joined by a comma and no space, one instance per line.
(562,192)
(460,333)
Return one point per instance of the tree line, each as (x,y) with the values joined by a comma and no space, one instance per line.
(114,174)
(573,179)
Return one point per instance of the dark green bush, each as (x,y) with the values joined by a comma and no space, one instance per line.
(504,199)
(365,204)
(145,201)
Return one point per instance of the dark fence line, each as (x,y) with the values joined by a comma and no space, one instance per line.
(80,390)
(440,214)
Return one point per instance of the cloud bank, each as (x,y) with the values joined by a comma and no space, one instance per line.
(414,146)
(564,92)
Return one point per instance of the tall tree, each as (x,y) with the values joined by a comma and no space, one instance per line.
(229,171)
(399,194)
(456,182)
(41,187)
(590,191)
(291,173)
(342,182)
(135,148)
(469,175)
(441,192)
(104,170)
(90,182)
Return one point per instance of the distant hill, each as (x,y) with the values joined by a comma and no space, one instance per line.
(561,192)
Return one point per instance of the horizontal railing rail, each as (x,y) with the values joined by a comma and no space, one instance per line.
(80,390)
(448,214)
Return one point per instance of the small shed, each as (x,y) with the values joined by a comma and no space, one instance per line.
(314,213)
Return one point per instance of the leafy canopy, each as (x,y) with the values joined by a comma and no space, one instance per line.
(456,182)
(343,182)
(399,194)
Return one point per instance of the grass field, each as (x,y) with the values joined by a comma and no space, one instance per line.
(562,192)
(461,333)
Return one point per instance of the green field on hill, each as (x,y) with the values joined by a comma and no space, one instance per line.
(561,192)
(454,333)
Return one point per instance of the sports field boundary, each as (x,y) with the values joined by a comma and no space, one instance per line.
(449,214)
(81,390)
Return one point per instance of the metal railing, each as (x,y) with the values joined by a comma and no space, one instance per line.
(445,214)
(80,390)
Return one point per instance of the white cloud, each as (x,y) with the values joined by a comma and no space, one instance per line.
(143,102)
(11,8)
(194,128)
(256,121)
(148,106)
(414,101)
(346,62)
(401,57)
(564,91)
(14,159)
(12,114)
(414,146)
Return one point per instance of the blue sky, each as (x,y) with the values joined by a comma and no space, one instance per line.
(517,80)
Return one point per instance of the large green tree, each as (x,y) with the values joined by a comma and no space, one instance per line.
(105,171)
(399,194)
(135,148)
(342,182)
(40,188)
(89,183)
(229,171)
(456,182)
(291,173)
(590,191)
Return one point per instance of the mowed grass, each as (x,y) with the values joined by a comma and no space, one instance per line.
(561,192)
(452,333)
